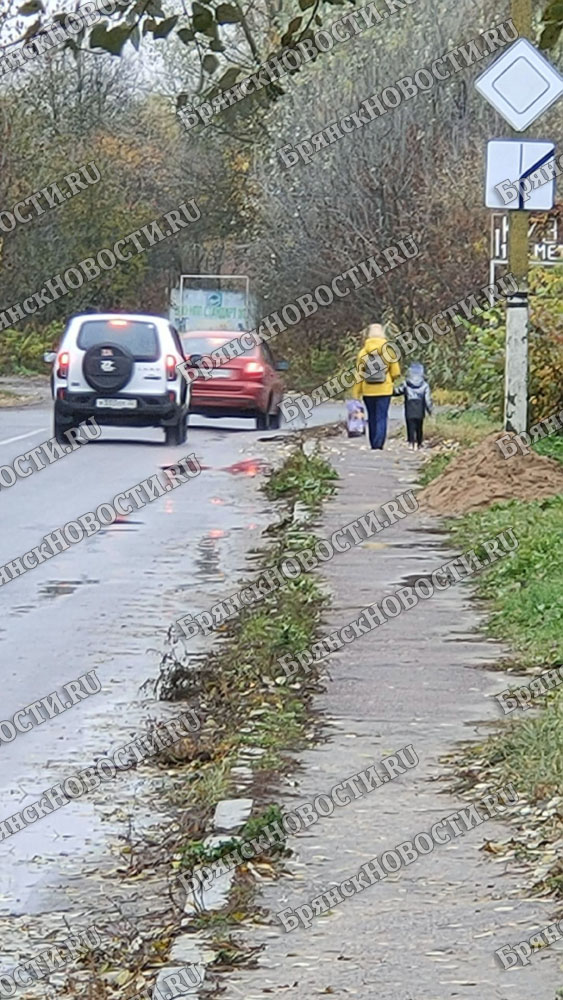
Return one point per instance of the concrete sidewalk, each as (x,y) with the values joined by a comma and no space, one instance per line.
(429,932)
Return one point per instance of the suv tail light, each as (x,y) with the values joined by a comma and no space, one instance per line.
(253,368)
(171,373)
(63,360)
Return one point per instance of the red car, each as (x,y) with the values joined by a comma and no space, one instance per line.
(247,386)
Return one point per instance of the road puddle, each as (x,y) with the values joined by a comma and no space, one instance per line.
(60,588)
(175,467)
(123,523)
(478,639)
(208,560)
(428,531)
(247,467)
(414,578)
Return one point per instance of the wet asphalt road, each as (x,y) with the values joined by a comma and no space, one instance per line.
(105,604)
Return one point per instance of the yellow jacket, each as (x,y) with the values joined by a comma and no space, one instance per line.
(379,388)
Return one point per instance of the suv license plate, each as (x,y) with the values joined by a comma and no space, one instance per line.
(117,404)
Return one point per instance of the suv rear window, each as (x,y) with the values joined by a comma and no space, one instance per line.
(141,339)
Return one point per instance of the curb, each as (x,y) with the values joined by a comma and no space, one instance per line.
(193,949)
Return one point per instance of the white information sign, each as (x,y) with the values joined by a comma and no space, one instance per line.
(545,246)
(518,176)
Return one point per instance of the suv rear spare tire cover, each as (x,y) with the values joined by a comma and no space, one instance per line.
(107,367)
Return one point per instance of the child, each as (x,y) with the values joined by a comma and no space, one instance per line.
(418,402)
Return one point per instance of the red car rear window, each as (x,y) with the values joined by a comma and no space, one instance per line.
(205,345)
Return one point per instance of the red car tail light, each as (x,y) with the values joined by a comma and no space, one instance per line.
(253,368)
(171,373)
(63,361)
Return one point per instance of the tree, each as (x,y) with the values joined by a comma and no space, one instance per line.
(225,40)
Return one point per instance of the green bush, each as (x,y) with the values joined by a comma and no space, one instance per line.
(471,360)
(310,365)
(21,351)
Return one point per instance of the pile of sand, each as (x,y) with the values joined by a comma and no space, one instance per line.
(481,476)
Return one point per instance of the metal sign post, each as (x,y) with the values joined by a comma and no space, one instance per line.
(517,305)
(521,84)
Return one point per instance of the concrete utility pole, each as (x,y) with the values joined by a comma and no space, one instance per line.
(517,304)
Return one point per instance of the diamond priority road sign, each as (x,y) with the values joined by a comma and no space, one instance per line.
(521,84)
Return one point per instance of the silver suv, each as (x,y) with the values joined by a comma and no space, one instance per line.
(120,368)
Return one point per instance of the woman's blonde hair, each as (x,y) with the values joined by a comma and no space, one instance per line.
(373,330)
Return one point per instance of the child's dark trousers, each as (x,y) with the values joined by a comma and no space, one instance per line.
(414,430)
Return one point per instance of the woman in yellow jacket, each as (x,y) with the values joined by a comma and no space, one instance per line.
(377,373)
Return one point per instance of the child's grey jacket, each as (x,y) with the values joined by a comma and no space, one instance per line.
(415,389)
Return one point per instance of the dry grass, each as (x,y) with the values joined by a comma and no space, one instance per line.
(10,399)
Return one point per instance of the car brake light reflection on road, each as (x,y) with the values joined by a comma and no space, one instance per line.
(248,467)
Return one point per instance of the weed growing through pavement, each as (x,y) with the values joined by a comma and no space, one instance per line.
(307,478)
(257,825)
(196,852)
